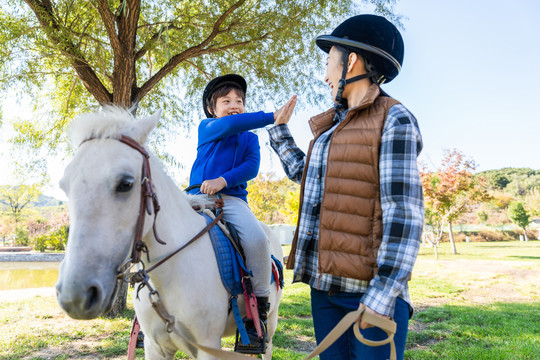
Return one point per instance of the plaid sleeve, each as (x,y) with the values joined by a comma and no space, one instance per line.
(402,207)
(291,157)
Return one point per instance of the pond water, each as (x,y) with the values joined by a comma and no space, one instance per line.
(27,275)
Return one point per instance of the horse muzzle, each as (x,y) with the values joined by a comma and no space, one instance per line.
(85,299)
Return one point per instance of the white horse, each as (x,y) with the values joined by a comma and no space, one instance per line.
(103,184)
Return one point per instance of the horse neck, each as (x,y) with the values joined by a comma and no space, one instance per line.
(176,221)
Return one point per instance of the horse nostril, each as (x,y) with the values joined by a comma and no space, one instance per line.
(93,297)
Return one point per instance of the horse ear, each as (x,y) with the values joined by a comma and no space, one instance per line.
(144,126)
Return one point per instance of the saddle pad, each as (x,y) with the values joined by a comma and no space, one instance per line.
(229,260)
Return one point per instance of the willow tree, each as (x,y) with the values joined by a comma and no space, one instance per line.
(69,56)
(72,55)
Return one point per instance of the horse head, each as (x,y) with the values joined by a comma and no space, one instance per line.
(103,185)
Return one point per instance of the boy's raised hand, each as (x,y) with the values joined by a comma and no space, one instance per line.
(283,115)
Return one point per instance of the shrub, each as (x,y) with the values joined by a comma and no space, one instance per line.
(54,240)
(487,235)
(39,243)
(58,238)
(21,237)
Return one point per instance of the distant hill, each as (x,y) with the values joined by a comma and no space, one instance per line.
(42,201)
(510,172)
(45,200)
(516,181)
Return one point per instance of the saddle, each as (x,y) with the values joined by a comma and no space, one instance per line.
(236,278)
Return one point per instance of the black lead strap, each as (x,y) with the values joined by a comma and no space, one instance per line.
(343,81)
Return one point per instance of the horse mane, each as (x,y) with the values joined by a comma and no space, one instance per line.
(110,122)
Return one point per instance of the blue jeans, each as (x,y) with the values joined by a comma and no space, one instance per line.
(328,308)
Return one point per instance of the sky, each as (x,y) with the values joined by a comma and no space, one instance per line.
(470,76)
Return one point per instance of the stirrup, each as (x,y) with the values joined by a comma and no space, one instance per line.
(140,340)
(257,344)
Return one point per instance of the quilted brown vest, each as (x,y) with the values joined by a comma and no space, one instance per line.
(351,217)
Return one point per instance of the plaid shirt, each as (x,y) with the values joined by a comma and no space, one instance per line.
(401,202)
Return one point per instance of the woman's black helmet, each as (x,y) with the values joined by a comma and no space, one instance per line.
(373,37)
(213,85)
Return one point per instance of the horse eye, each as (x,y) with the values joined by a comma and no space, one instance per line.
(125,185)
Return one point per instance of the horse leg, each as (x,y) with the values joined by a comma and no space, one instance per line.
(210,335)
(271,329)
(154,352)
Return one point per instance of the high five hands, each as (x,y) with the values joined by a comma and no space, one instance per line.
(283,115)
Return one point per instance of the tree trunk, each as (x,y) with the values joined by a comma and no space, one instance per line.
(451,236)
(119,303)
(525,233)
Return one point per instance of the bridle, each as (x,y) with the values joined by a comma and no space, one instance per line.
(149,201)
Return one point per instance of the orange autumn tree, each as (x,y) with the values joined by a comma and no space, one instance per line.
(451,190)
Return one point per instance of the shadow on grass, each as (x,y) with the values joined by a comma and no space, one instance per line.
(500,331)
(525,257)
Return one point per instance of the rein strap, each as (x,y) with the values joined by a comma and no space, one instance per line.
(149,200)
(201,233)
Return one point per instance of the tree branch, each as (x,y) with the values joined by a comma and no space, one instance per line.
(217,25)
(59,36)
(193,51)
(108,20)
(208,75)
(150,43)
(175,61)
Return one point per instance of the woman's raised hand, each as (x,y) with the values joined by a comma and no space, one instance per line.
(283,115)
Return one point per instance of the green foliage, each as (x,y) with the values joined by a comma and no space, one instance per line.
(21,237)
(14,200)
(54,240)
(500,181)
(482,216)
(519,215)
(274,201)
(69,56)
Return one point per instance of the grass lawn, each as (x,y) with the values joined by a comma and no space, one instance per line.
(481,304)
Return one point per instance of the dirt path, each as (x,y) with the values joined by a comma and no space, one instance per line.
(484,281)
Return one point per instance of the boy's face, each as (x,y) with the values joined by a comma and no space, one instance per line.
(229,104)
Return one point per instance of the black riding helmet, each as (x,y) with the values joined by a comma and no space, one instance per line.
(213,85)
(373,37)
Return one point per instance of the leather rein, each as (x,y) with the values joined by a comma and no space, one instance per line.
(149,200)
(149,204)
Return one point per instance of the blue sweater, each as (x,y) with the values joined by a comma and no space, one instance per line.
(226,148)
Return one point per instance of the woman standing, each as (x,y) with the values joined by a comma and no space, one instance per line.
(361,206)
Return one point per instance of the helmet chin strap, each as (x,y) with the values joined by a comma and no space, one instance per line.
(342,82)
